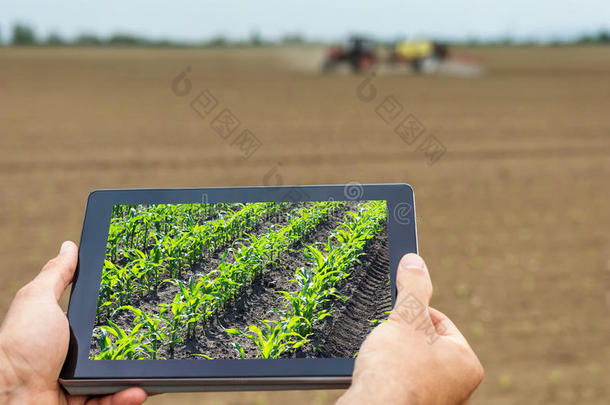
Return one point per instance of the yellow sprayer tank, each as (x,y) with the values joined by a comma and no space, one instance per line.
(414,49)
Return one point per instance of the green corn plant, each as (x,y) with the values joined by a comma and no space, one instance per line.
(117,344)
(313,291)
(174,315)
(116,232)
(225,289)
(132,227)
(158,217)
(154,329)
(172,249)
(156,265)
(118,211)
(238,348)
(273,339)
(144,275)
(107,294)
(192,296)
(196,244)
(118,282)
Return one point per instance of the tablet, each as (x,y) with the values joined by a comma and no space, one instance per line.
(236,288)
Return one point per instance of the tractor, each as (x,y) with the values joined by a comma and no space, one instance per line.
(359,55)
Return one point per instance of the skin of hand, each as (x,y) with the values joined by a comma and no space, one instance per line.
(34,341)
(418,356)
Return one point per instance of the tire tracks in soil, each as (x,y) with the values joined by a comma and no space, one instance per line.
(371,297)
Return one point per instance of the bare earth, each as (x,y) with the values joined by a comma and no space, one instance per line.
(513,219)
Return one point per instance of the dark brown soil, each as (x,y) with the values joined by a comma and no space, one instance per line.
(368,298)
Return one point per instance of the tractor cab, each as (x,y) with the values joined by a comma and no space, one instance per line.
(358,53)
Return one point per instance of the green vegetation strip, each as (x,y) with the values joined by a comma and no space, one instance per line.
(199,300)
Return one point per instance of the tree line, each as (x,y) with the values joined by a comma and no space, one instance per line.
(24,35)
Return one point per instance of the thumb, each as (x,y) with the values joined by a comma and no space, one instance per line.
(414,288)
(412,278)
(57,274)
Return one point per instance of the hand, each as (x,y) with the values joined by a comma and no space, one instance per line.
(418,356)
(34,341)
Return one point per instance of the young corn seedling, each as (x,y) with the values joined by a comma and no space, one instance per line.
(154,329)
(307,301)
(174,314)
(273,339)
(107,293)
(155,264)
(117,344)
(120,280)
(116,233)
(192,296)
(172,249)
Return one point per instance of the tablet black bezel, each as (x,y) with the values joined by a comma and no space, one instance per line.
(402,237)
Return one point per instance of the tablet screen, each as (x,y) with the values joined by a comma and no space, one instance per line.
(242,280)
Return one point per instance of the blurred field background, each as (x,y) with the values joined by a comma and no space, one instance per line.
(513,220)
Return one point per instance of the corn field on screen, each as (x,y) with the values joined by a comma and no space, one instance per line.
(242,281)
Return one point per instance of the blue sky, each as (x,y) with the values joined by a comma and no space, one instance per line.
(191,20)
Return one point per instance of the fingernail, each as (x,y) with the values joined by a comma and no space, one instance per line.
(412,261)
(64,247)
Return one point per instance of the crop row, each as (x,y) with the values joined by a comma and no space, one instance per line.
(316,284)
